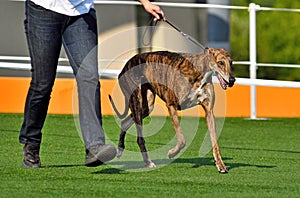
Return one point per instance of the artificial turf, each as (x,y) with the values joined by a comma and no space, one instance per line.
(263,157)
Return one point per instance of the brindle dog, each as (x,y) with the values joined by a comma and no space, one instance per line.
(182,81)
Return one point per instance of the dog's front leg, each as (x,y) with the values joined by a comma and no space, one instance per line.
(210,121)
(180,138)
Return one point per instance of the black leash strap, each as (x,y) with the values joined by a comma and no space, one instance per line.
(182,33)
(153,24)
(186,35)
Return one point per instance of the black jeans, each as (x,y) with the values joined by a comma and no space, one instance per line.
(46,32)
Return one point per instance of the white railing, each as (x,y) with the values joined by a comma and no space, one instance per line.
(253,8)
(253,82)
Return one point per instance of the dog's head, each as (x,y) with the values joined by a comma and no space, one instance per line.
(222,68)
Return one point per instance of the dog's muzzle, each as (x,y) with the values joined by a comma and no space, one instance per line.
(225,83)
(231,81)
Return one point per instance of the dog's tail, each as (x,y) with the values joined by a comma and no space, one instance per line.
(121,116)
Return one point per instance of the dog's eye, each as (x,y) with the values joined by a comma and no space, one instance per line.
(220,63)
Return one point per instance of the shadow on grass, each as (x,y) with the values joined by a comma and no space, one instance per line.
(138,166)
(198,162)
(109,171)
(63,166)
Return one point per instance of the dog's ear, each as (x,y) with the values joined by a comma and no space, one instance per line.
(209,50)
(206,51)
(225,52)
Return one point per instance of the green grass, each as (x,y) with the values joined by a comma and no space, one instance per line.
(263,159)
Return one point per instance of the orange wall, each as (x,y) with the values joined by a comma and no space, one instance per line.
(235,102)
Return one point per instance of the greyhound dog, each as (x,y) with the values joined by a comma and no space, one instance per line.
(181,80)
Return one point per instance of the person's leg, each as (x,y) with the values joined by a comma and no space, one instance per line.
(80,40)
(44,44)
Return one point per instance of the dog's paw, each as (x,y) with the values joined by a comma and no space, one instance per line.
(119,152)
(172,153)
(221,167)
(150,165)
(223,171)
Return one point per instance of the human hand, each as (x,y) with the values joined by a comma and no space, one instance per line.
(155,10)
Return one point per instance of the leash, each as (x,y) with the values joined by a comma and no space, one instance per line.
(190,38)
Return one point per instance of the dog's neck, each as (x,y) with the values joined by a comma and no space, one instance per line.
(206,78)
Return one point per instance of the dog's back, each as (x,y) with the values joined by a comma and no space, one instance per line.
(183,62)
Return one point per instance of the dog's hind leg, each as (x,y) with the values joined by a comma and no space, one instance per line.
(180,138)
(137,112)
(128,121)
(125,125)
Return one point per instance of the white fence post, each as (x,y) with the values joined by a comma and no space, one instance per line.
(252,56)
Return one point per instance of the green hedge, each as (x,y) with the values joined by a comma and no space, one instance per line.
(278,38)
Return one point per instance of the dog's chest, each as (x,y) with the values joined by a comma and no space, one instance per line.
(199,92)
(195,97)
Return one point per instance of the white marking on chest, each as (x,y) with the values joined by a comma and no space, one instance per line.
(198,96)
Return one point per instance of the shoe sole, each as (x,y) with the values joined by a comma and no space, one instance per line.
(103,156)
(93,163)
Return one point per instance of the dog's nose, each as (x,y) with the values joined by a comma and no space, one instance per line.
(231,81)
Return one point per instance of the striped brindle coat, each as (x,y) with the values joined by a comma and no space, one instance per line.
(182,81)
